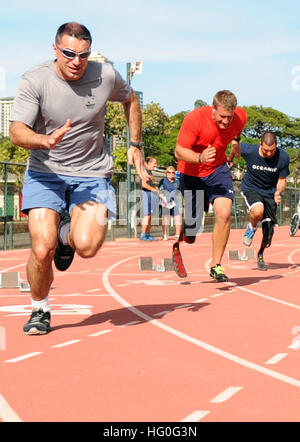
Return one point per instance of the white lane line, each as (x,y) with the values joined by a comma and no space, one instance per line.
(21,358)
(102,332)
(162,313)
(129,323)
(201,300)
(93,290)
(226,394)
(216,295)
(7,414)
(279,301)
(295,345)
(204,345)
(276,358)
(182,306)
(14,267)
(196,416)
(64,344)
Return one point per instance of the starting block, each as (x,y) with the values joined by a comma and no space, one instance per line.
(146,263)
(10,280)
(235,255)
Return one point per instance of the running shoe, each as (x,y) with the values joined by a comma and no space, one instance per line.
(38,324)
(150,237)
(248,235)
(144,237)
(217,272)
(261,263)
(64,254)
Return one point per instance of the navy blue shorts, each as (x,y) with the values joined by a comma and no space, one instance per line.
(198,193)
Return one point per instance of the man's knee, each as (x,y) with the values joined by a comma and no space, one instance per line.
(87,247)
(43,252)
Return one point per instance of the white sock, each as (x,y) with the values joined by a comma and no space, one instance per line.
(43,304)
(64,234)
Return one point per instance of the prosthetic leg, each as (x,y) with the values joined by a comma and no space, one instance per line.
(195,206)
(176,255)
(268,231)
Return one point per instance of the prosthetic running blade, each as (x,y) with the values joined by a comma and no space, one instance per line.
(178,261)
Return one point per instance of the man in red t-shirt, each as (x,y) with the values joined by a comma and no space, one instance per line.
(201,145)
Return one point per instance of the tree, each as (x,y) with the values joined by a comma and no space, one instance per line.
(167,143)
(156,127)
(11,153)
(200,103)
(261,119)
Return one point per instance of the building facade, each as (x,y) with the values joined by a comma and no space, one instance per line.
(6,105)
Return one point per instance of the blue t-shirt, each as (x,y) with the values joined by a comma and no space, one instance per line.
(262,173)
(170,188)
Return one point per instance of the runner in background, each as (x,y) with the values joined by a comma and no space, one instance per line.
(205,176)
(262,187)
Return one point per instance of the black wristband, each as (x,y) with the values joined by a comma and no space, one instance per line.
(138,145)
(237,138)
(199,158)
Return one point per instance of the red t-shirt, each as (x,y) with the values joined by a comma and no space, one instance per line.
(198,130)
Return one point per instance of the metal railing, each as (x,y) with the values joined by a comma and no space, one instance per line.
(14,225)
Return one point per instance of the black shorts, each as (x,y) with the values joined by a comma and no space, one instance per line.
(252,197)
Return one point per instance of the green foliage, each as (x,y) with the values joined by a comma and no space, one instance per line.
(120,158)
(15,154)
(115,121)
(156,126)
(200,103)
(262,119)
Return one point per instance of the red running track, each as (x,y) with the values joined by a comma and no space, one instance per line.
(145,346)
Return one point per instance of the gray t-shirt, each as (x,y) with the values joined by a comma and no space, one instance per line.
(44,101)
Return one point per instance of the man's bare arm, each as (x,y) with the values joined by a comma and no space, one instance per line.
(23,136)
(280,188)
(134,120)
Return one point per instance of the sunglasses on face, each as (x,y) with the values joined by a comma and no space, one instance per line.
(68,53)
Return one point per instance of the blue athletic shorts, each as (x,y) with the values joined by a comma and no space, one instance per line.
(150,203)
(59,192)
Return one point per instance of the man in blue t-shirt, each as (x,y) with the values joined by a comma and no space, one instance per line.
(262,186)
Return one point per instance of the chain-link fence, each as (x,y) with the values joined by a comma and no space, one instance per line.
(14,224)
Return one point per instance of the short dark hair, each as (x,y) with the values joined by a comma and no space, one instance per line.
(269,138)
(73,29)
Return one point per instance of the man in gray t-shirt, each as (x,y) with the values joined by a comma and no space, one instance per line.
(58,114)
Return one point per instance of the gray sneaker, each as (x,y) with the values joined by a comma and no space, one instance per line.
(38,324)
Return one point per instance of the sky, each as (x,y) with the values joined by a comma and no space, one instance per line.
(189,49)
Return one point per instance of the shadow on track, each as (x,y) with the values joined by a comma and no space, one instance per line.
(123,315)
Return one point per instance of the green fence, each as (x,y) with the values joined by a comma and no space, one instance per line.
(14,225)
